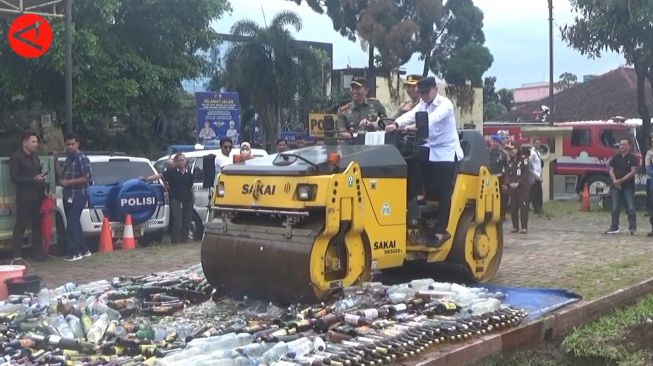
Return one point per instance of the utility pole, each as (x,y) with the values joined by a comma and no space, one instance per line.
(68,72)
(551,105)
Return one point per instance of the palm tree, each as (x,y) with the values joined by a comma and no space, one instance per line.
(271,68)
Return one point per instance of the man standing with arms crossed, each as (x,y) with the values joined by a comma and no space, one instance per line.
(75,180)
(445,150)
(623,167)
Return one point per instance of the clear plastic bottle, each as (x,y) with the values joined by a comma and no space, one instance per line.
(239,361)
(421,284)
(254,350)
(486,306)
(44,297)
(275,353)
(299,347)
(97,329)
(63,328)
(75,325)
(318,344)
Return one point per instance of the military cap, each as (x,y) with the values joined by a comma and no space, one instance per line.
(425,84)
(412,79)
(359,82)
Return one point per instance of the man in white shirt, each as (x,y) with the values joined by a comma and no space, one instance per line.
(224,157)
(444,150)
(535,160)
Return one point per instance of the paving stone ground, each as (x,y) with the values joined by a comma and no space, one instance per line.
(566,249)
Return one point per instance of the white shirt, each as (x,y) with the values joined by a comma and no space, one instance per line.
(536,163)
(222,160)
(443,135)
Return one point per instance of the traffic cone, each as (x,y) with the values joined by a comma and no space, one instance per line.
(128,240)
(585,203)
(106,242)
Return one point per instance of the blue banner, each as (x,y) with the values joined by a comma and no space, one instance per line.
(218,116)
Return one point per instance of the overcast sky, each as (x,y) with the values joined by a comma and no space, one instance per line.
(516,33)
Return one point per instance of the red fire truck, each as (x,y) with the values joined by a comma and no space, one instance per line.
(585,154)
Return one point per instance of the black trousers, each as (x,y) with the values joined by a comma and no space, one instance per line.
(439,178)
(519,198)
(27,213)
(536,196)
(415,178)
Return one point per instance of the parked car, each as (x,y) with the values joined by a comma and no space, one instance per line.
(202,195)
(115,192)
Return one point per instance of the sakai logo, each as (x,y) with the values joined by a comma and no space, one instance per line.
(286,188)
(259,189)
(138,201)
(391,244)
(388,247)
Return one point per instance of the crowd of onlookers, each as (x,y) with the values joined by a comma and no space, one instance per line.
(519,169)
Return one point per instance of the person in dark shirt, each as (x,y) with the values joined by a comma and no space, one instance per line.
(498,161)
(517,175)
(623,167)
(180,181)
(26,173)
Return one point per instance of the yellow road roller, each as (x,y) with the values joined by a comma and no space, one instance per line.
(300,225)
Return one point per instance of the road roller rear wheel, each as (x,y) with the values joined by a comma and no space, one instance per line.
(477,248)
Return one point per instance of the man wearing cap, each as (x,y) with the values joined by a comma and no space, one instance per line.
(361,111)
(413,94)
(444,149)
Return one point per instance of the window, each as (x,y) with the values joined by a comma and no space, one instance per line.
(611,137)
(116,170)
(581,137)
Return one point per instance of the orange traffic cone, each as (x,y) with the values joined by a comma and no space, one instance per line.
(585,202)
(106,242)
(128,240)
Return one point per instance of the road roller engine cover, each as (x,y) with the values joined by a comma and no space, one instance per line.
(299,225)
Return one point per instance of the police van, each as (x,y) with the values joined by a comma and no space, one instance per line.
(195,165)
(116,191)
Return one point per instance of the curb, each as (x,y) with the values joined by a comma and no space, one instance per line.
(534,333)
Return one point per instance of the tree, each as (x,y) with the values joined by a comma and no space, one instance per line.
(129,59)
(620,27)
(506,98)
(345,16)
(567,80)
(460,55)
(270,69)
(492,104)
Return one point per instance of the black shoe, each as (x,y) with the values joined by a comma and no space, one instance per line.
(514,231)
(650,234)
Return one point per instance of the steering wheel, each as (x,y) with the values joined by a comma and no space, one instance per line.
(383,122)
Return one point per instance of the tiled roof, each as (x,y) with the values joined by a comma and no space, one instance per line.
(605,96)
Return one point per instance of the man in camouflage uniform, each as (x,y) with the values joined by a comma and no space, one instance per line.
(413,93)
(361,111)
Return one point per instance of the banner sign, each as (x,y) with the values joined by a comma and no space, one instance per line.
(316,123)
(218,116)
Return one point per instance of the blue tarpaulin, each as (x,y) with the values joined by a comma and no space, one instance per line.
(537,301)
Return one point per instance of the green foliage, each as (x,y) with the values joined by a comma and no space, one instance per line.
(566,80)
(448,38)
(506,98)
(606,338)
(272,72)
(129,59)
(495,103)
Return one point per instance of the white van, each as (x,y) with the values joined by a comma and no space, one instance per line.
(202,195)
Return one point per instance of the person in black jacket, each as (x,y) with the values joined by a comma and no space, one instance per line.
(26,172)
(518,175)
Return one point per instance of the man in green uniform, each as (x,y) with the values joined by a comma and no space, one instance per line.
(361,111)
(413,94)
